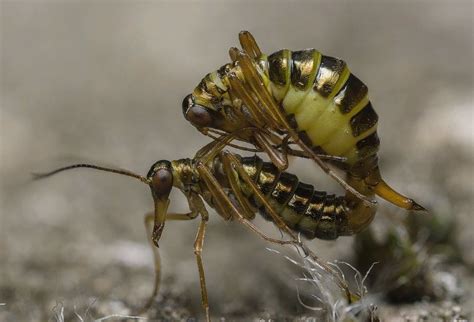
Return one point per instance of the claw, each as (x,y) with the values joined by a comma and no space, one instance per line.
(417,207)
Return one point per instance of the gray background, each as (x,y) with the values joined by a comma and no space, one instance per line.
(103,81)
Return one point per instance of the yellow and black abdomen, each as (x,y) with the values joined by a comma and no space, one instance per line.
(315,214)
(325,103)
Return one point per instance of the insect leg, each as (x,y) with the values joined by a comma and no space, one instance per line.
(264,142)
(283,150)
(197,207)
(278,158)
(186,216)
(226,208)
(236,146)
(248,43)
(254,83)
(233,162)
(198,244)
(239,90)
(254,79)
(211,150)
(302,154)
(149,218)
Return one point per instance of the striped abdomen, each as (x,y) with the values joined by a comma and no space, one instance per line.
(315,214)
(324,102)
(327,105)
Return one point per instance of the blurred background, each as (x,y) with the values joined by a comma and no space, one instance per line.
(103,82)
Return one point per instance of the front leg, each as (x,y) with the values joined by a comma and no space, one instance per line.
(148,220)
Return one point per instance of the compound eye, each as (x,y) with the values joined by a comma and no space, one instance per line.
(198,115)
(162,182)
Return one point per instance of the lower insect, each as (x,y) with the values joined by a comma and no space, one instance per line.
(238,188)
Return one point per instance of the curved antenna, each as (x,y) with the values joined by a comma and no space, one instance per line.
(37,176)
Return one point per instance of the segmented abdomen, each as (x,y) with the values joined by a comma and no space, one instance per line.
(313,213)
(324,102)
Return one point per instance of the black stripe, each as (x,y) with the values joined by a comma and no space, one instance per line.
(285,188)
(368,145)
(327,226)
(364,167)
(328,74)
(350,94)
(299,203)
(315,207)
(363,120)
(278,67)
(252,166)
(268,178)
(302,62)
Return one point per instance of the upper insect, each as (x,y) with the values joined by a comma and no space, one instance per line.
(301,98)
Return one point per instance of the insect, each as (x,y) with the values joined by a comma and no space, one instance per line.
(295,97)
(237,188)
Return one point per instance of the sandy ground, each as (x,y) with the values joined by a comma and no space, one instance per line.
(103,82)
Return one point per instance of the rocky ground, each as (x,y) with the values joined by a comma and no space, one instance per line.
(103,82)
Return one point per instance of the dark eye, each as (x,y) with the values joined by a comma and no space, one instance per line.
(161,178)
(162,182)
(198,115)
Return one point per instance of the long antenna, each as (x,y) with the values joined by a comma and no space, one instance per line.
(37,176)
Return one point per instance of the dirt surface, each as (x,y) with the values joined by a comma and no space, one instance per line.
(103,82)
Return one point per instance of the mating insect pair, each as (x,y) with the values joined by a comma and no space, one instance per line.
(300,97)
(289,98)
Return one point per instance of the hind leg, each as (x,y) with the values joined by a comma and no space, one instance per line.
(232,164)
